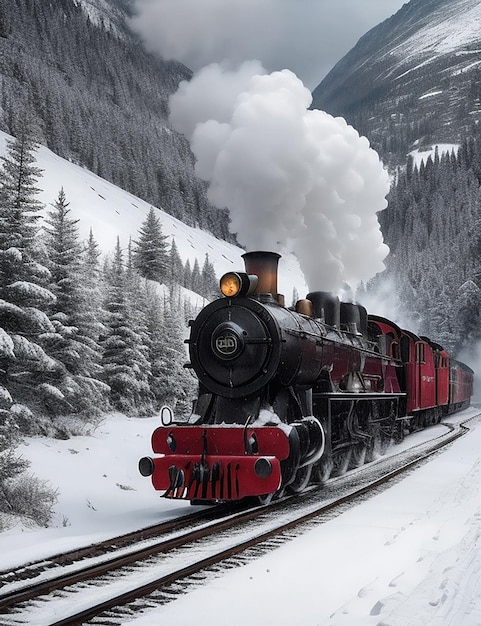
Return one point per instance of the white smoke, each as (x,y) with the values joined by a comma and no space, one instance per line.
(293,179)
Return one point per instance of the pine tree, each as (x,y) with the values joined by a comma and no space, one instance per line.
(209,280)
(125,366)
(187,275)
(176,267)
(150,253)
(30,375)
(176,384)
(72,344)
(196,278)
(156,333)
(19,207)
(65,253)
(137,291)
(91,325)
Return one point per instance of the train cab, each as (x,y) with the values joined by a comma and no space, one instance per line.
(385,335)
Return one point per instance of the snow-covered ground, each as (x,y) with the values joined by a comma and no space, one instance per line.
(407,557)
(100,491)
(422,155)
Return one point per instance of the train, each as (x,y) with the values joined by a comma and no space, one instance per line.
(290,396)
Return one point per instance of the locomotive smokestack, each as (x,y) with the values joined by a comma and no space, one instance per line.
(264,265)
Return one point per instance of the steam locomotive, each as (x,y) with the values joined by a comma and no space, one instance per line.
(289,396)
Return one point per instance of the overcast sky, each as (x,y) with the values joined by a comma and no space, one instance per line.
(305,36)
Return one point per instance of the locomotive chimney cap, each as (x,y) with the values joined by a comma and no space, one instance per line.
(263,264)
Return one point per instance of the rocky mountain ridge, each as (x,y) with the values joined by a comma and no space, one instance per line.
(413,80)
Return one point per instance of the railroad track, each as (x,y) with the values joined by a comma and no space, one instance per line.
(106,582)
(39,568)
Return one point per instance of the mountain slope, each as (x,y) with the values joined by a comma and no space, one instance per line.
(112,212)
(413,80)
(101,99)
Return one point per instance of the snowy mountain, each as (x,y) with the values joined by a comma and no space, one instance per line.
(413,80)
(106,13)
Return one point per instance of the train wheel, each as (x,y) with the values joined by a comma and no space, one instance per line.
(265,499)
(358,455)
(322,470)
(398,435)
(378,445)
(341,461)
(300,482)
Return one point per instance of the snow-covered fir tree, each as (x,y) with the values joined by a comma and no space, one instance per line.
(73,344)
(150,253)
(187,275)
(196,278)
(91,324)
(29,374)
(176,384)
(19,209)
(209,280)
(175,265)
(125,366)
(136,288)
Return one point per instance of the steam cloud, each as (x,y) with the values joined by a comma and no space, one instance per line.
(294,180)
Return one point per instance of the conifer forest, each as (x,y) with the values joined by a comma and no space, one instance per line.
(433,228)
(81,334)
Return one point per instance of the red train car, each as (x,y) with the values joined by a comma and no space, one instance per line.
(460,385)
(435,383)
(441,371)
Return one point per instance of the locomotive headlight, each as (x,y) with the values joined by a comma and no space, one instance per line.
(230,284)
(234,284)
